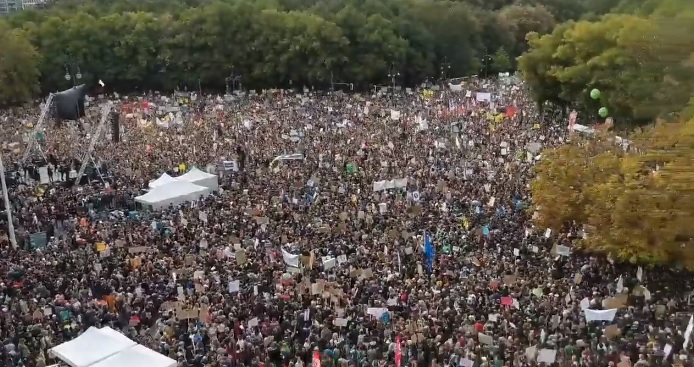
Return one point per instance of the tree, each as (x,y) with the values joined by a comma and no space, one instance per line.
(562,10)
(18,66)
(162,45)
(537,67)
(635,204)
(500,61)
(525,19)
(640,75)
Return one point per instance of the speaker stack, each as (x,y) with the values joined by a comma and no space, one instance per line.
(115,128)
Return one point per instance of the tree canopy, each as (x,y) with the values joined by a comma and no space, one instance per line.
(635,204)
(631,198)
(162,45)
(641,63)
(18,66)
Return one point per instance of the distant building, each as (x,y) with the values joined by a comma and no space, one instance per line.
(10,6)
(32,3)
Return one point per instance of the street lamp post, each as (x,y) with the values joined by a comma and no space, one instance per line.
(485,61)
(445,69)
(332,83)
(232,79)
(72,72)
(392,74)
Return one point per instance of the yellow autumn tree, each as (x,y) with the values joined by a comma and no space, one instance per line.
(634,203)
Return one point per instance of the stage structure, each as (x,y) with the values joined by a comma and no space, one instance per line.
(69,104)
(33,143)
(65,105)
(96,134)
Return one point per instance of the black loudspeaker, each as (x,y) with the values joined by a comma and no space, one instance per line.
(115,128)
(69,104)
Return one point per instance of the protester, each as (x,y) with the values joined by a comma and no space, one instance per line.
(446,269)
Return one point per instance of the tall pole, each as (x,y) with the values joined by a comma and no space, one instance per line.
(445,68)
(486,60)
(392,74)
(8,209)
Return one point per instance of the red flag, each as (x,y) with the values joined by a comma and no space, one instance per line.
(398,352)
(316,359)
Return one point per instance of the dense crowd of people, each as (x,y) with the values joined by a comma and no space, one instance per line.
(443,267)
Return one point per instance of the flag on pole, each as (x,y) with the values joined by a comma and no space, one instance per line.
(429,252)
(398,352)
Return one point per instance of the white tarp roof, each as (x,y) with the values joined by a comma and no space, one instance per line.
(195,175)
(92,346)
(137,356)
(163,180)
(174,193)
(201,178)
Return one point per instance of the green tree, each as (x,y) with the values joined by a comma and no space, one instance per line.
(525,19)
(625,56)
(18,66)
(158,44)
(635,203)
(501,61)
(537,67)
(562,10)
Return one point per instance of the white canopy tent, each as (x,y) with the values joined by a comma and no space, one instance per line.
(106,347)
(201,178)
(174,193)
(92,346)
(161,181)
(137,356)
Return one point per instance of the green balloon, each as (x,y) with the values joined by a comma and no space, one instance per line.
(595,94)
(603,112)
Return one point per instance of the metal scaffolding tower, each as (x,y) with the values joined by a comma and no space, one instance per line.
(105,112)
(37,128)
(8,206)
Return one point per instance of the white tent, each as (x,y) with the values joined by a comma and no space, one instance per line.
(201,178)
(92,346)
(163,180)
(137,356)
(174,193)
